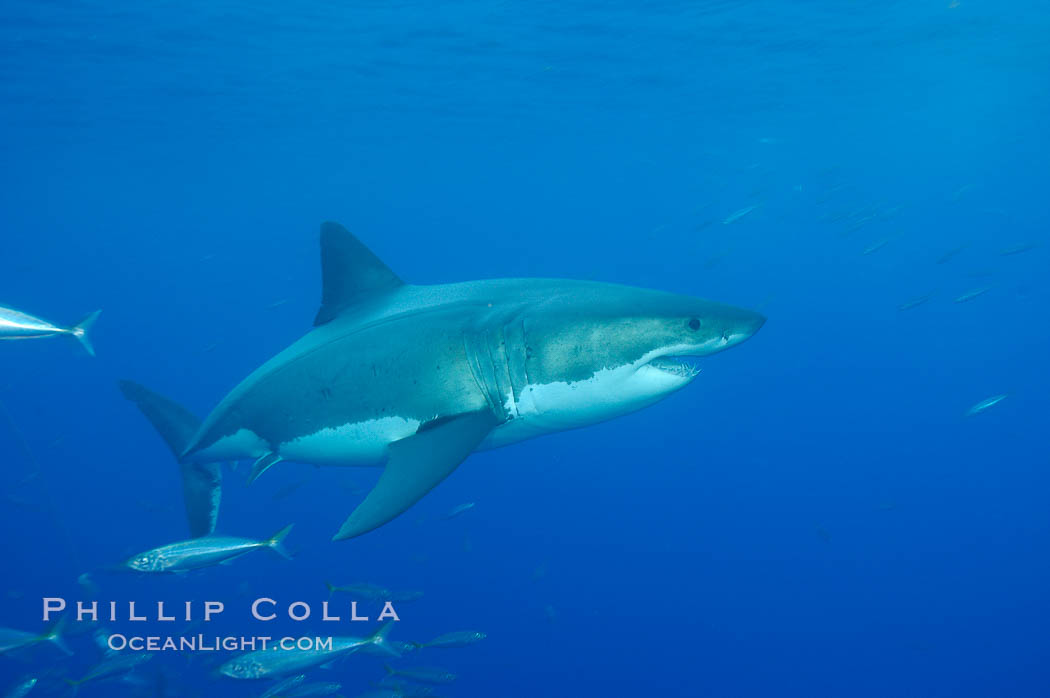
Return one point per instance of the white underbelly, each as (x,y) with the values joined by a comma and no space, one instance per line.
(547,408)
(361,443)
(517,429)
(244,443)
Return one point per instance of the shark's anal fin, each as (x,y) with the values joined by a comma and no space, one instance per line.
(201,483)
(349,272)
(415,466)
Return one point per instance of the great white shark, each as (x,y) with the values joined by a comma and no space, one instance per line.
(415,378)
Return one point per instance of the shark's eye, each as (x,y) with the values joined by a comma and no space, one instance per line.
(694,323)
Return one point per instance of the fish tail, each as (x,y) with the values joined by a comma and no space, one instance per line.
(80,331)
(379,639)
(275,543)
(54,636)
(74,685)
(390,671)
(330,587)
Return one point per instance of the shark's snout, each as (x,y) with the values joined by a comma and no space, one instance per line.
(755,323)
(743,327)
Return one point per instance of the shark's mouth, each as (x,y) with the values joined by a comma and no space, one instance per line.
(681,366)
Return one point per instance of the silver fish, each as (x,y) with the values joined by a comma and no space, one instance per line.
(116,665)
(374,592)
(21,689)
(15,324)
(914,302)
(461,638)
(87,585)
(11,639)
(875,246)
(282,687)
(422,674)
(1018,249)
(737,215)
(364,590)
(404,646)
(947,256)
(307,690)
(970,295)
(404,689)
(456,511)
(206,551)
(985,404)
(101,639)
(275,661)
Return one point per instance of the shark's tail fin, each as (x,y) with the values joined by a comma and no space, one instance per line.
(275,543)
(201,482)
(175,424)
(80,331)
(54,636)
(379,639)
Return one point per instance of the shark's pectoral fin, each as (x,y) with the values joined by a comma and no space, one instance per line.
(415,466)
(349,272)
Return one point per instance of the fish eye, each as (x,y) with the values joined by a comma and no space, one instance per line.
(694,323)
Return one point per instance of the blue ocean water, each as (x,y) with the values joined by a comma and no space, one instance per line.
(814,516)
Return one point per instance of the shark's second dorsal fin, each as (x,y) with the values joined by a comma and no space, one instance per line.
(349,272)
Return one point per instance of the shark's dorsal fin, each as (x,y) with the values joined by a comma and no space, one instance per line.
(349,272)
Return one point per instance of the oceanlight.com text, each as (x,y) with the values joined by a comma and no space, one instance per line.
(214,643)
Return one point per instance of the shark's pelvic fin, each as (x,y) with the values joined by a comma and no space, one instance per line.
(415,466)
(201,482)
(263,464)
(349,272)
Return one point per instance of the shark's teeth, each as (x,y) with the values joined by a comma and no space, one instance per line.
(678,367)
